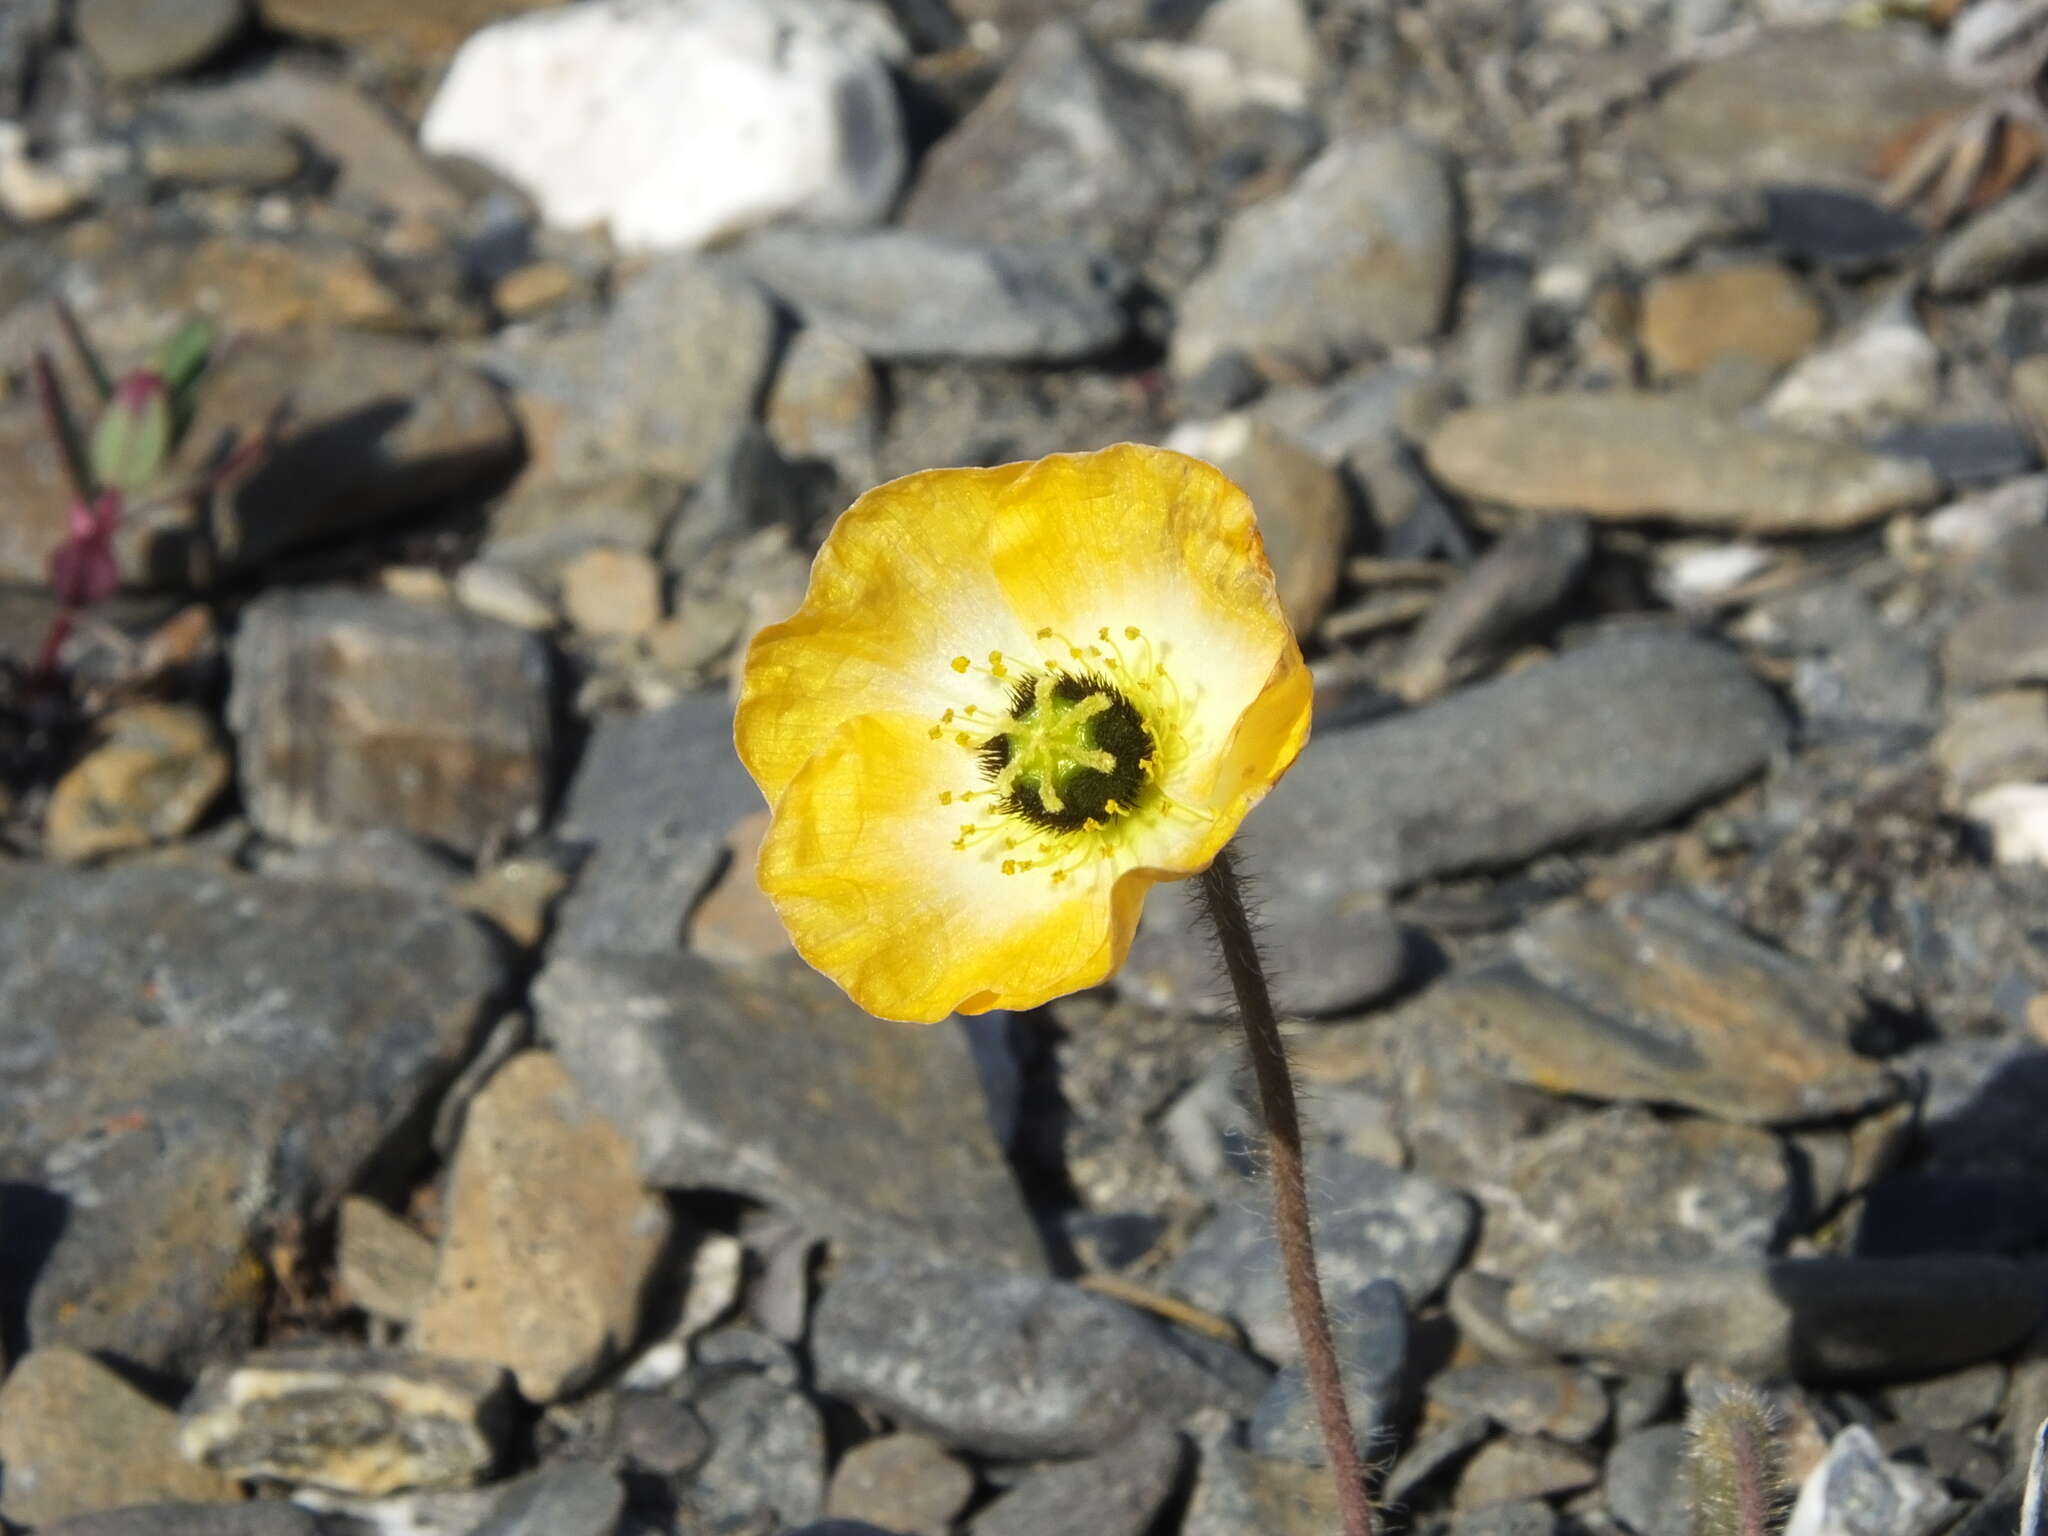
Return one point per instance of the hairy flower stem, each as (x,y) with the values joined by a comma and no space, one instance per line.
(1223,900)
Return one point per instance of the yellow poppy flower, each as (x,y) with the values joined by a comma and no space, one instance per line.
(1013,700)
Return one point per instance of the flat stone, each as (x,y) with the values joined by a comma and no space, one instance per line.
(1623,456)
(1518,1467)
(1118,1493)
(1857,1491)
(1237,1492)
(612,593)
(1360,253)
(1627,1181)
(1757,311)
(1371,1330)
(2003,244)
(1642,1470)
(76,1438)
(900,1482)
(1517,1517)
(1618,736)
(1433,1455)
(1886,369)
(154,773)
(356,710)
(231,149)
(663,385)
(1323,957)
(140,39)
(769,1083)
(384,1266)
(735,923)
(651,803)
(1812,1318)
(193,1056)
(1553,1401)
(550,1235)
(570,1498)
(1498,603)
(1957,1400)
(1006,1365)
(271,1518)
(898,294)
(355,1421)
(678,125)
(541,526)
(378,426)
(431,28)
(1653,998)
(2002,641)
(826,403)
(1067,145)
(1372,1222)
(767,1461)
(1807,106)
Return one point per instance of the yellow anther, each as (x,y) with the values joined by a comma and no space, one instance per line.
(1130,631)
(961,663)
(963,738)
(945,797)
(937,732)
(1045,633)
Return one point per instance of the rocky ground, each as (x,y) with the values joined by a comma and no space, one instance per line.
(410,1118)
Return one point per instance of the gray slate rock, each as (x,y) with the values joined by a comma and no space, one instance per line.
(653,800)
(770,1083)
(573,1498)
(767,1461)
(1654,998)
(1237,1492)
(1550,1400)
(191,1055)
(1857,1491)
(1500,602)
(140,39)
(899,294)
(2004,243)
(1372,1222)
(904,1482)
(355,710)
(1883,1319)
(274,1518)
(1643,1481)
(2005,640)
(1068,145)
(1372,1346)
(1360,253)
(1621,735)
(1004,1365)
(1118,1493)
(1517,1517)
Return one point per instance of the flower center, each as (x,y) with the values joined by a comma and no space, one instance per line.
(1075,753)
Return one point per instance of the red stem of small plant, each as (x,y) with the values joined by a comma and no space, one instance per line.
(1223,898)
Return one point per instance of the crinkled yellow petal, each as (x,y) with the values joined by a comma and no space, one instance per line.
(1143,537)
(860,864)
(902,584)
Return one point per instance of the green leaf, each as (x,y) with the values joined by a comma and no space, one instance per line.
(133,436)
(180,359)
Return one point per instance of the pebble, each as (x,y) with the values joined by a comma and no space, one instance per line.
(1621,734)
(1361,252)
(826,403)
(141,39)
(231,148)
(492,592)
(1555,1402)
(1067,145)
(1753,310)
(767,1463)
(1622,456)
(900,294)
(1885,369)
(650,805)
(1655,999)
(1643,1469)
(1992,739)
(155,772)
(172,1028)
(1811,1318)
(1304,507)
(571,1498)
(1236,1492)
(529,289)
(1372,1338)
(356,710)
(1372,1221)
(1432,1455)
(1515,1468)
(351,1420)
(1517,1517)
(541,526)
(550,1235)
(735,923)
(1496,604)
(1857,1491)
(1117,1493)
(271,1518)
(2001,642)
(76,1438)
(663,385)
(680,125)
(1957,1400)
(1999,246)
(612,593)
(771,1084)
(1834,229)
(1984,451)
(902,1482)
(1005,1365)
(1626,1181)
(384,1266)
(1271,40)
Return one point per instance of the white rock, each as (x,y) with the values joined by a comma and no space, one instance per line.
(680,122)
(1268,37)
(1972,524)
(2016,816)
(1855,1491)
(1212,84)
(1700,575)
(1886,369)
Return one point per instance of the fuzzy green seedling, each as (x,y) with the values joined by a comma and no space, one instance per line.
(1732,1457)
